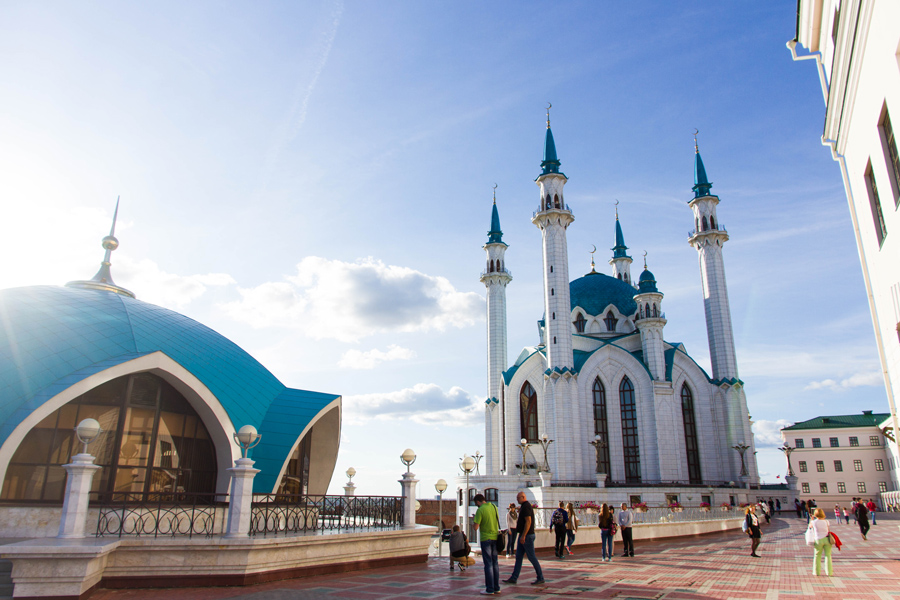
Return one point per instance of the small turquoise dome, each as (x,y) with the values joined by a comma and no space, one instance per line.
(595,291)
(646,282)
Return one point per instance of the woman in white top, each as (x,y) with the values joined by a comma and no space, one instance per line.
(512,516)
(819,525)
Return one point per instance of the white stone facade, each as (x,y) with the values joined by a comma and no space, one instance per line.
(855,48)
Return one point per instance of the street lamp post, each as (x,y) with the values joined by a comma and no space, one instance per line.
(545,442)
(467,465)
(478,456)
(599,445)
(440,486)
(408,486)
(523,446)
(787,454)
(741,447)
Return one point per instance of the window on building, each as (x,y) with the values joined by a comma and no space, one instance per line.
(804,487)
(472,493)
(833,442)
(823,487)
(882,486)
(834,25)
(889,143)
(152,441)
(842,487)
(817,443)
(857,465)
(528,413)
(803,466)
(579,323)
(838,466)
(601,423)
(798,443)
(820,466)
(861,487)
(879,464)
(854,441)
(610,321)
(875,205)
(690,434)
(492,495)
(631,449)
(874,440)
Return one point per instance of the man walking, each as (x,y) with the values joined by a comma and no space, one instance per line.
(558,521)
(525,528)
(487,521)
(872,508)
(626,521)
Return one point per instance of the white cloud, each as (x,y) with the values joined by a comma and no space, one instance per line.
(768,433)
(424,403)
(152,284)
(355,359)
(348,301)
(857,380)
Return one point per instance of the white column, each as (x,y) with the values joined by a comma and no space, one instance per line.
(408,491)
(240,499)
(350,489)
(80,474)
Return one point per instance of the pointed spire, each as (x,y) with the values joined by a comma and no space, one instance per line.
(701,181)
(103,279)
(495,235)
(593,266)
(551,163)
(620,247)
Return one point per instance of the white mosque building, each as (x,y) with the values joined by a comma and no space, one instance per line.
(624,415)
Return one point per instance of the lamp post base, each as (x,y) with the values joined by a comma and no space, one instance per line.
(601,480)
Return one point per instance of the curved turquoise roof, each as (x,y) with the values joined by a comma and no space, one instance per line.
(646,282)
(52,337)
(595,291)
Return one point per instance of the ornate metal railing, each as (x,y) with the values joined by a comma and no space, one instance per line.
(160,513)
(273,514)
(497,272)
(650,515)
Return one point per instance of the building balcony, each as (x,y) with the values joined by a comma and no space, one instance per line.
(497,272)
(692,233)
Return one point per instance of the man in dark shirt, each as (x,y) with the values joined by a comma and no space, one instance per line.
(525,529)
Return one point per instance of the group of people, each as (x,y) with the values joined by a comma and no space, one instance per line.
(520,531)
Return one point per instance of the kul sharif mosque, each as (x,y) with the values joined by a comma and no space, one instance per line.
(623,414)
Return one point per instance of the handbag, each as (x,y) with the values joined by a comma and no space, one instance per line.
(810,536)
(501,541)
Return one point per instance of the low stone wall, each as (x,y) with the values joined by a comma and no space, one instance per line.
(72,568)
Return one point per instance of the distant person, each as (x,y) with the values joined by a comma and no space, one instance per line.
(558,521)
(853,506)
(571,527)
(753,529)
(837,514)
(846,515)
(778,505)
(626,522)
(606,523)
(511,516)
(862,519)
(771,505)
(487,521)
(819,525)
(798,508)
(872,508)
(459,547)
(525,529)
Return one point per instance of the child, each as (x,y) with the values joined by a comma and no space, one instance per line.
(846,515)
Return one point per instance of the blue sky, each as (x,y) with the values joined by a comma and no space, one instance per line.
(313,180)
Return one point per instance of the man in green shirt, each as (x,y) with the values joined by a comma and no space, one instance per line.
(487,523)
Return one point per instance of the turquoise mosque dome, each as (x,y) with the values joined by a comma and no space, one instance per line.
(53,337)
(647,282)
(596,291)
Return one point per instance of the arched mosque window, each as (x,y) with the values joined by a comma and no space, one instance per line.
(528,413)
(600,422)
(703,223)
(610,321)
(690,434)
(579,323)
(152,441)
(630,447)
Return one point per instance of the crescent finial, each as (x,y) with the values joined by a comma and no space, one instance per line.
(696,148)
(594,250)
(495,193)
(549,106)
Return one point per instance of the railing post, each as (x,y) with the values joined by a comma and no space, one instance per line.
(240,500)
(408,488)
(80,473)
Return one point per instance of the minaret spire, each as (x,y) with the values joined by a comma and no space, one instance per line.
(702,184)
(103,279)
(620,261)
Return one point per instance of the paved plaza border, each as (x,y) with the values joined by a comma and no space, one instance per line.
(710,566)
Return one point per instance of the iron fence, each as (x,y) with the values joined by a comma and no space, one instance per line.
(272,514)
(652,515)
(159,513)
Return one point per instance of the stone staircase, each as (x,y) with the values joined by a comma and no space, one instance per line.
(6,584)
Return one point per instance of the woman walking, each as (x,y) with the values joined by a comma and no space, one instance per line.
(837,514)
(512,515)
(819,526)
(606,532)
(571,527)
(753,529)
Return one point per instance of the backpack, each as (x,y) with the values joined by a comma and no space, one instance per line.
(745,525)
(557,518)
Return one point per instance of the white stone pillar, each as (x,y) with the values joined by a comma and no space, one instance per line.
(350,489)
(601,479)
(240,499)
(546,478)
(80,474)
(408,491)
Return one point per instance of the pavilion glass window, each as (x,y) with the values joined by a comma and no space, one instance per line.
(817,443)
(610,321)
(631,449)
(152,441)
(842,487)
(854,441)
(296,475)
(833,442)
(691,444)
(601,423)
(579,323)
(528,413)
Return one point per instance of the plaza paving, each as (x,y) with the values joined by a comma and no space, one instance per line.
(711,566)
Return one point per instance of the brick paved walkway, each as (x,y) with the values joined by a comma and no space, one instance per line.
(712,566)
